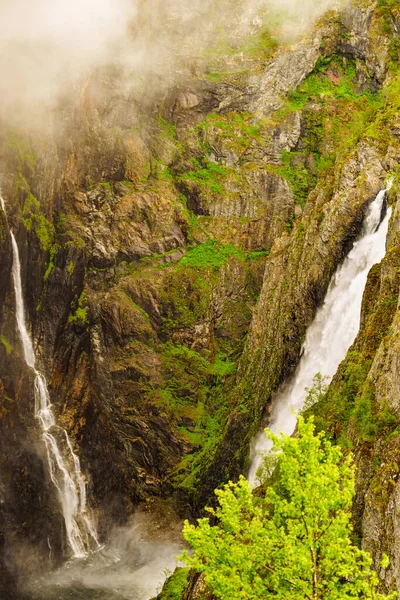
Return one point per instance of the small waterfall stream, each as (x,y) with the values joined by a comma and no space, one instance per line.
(63,463)
(68,482)
(128,567)
(334,328)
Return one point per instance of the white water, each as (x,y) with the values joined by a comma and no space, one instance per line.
(333,330)
(133,565)
(68,481)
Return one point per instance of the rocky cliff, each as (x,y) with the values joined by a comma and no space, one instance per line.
(176,241)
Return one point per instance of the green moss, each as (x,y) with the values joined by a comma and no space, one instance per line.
(22,150)
(238,130)
(185,299)
(262,45)
(37,223)
(106,185)
(258,255)
(301,179)
(60,221)
(222,367)
(384,10)
(175,585)
(348,410)
(138,308)
(209,175)
(80,315)
(186,374)
(75,241)
(165,174)
(6,344)
(49,269)
(335,117)
(167,129)
(211,254)
(217,76)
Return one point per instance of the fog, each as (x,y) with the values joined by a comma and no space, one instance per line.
(47,46)
(132,566)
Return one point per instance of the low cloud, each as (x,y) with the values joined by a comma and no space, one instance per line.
(47,46)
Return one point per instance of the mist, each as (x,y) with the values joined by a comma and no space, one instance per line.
(133,565)
(48,46)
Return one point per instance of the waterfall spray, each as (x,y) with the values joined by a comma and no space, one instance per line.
(334,328)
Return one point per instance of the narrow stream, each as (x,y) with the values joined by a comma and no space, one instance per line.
(131,566)
(334,328)
(63,463)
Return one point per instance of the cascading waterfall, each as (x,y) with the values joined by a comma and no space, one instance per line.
(334,328)
(69,483)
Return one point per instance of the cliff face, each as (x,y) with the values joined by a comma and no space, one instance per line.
(347,145)
(360,409)
(175,246)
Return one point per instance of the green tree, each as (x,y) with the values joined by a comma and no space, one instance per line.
(293,542)
(316,392)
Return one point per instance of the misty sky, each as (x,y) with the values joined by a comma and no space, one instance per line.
(46,44)
(63,19)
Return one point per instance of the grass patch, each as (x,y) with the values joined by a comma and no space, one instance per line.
(209,175)
(35,222)
(6,344)
(175,585)
(211,254)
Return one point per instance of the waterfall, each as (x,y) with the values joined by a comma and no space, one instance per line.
(63,463)
(334,328)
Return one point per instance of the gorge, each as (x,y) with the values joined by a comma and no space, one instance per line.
(174,211)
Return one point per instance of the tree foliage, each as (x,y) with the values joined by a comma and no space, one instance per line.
(293,542)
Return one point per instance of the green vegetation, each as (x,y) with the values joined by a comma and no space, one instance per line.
(239,130)
(48,271)
(349,405)
(256,50)
(167,129)
(214,254)
(175,585)
(185,298)
(262,45)
(292,542)
(222,367)
(192,395)
(6,344)
(301,179)
(210,175)
(22,151)
(191,388)
(336,115)
(106,185)
(36,223)
(80,315)
(211,254)
(316,392)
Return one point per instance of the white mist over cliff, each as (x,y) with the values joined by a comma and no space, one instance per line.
(47,46)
